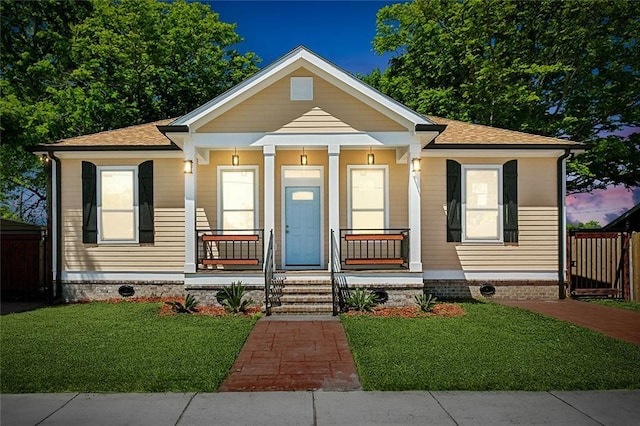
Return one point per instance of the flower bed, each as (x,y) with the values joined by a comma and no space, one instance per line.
(444,310)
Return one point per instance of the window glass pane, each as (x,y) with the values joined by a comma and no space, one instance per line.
(237,190)
(237,220)
(302,196)
(118,225)
(367,189)
(482,189)
(117,189)
(367,220)
(482,225)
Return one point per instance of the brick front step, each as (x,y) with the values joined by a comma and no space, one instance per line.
(306,308)
(306,289)
(299,298)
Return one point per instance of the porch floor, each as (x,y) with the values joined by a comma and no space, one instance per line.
(294,354)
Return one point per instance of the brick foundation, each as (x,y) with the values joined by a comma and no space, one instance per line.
(505,290)
(95,290)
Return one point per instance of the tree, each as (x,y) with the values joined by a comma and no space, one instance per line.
(71,68)
(555,68)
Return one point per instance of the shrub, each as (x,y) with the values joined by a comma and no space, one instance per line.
(232,298)
(190,305)
(425,302)
(361,300)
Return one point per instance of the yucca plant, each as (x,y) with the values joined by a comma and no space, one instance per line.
(360,299)
(232,298)
(425,301)
(190,305)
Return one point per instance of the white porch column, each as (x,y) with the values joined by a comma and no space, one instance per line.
(334,193)
(269,152)
(190,179)
(415,233)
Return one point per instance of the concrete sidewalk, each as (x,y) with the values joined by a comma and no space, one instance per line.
(621,407)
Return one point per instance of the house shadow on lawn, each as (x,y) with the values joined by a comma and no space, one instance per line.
(12,307)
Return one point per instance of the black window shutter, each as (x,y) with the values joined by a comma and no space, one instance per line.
(510,200)
(89,209)
(145,201)
(454,201)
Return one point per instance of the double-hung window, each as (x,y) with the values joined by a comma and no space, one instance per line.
(368,197)
(482,202)
(118,204)
(237,198)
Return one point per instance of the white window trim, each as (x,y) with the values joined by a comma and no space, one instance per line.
(256,192)
(386,191)
(136,204)
(498,168)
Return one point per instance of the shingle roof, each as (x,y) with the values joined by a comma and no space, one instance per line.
(143,136)
(460,133)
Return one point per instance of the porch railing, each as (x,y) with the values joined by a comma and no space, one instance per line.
(273,282)
(222,249)
(374,248)
(339,287)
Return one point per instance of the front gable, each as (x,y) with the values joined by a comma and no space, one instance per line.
(330,109)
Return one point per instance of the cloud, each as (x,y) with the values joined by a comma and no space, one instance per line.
(602,206)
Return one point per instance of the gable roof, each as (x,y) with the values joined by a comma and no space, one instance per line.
(460,134)
(299,57)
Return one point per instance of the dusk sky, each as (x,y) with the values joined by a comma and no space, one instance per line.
(342,32)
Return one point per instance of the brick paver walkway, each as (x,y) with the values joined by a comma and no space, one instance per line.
(290,355)
(615,322)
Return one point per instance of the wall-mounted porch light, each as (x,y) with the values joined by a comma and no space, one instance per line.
(371,159)
(415,165)
(303,158)
(188,167)
(44,158)
(235,158)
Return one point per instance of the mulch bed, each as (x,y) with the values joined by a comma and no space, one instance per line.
(444,310)
(166,310)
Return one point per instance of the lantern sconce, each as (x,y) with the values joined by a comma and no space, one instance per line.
(303,158)
(371,159)
(188,167)
(235,158)
(415,165)
(45,158)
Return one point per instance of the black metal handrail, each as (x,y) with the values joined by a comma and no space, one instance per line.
(220,248)
(273,282)
(339,287)
(374,248)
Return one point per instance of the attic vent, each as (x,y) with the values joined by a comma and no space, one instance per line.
(301,88)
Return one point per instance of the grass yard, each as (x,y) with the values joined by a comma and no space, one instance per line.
(622,304)
(123,347)
(493,347)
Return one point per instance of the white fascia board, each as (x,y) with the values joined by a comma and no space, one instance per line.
(491,152)
(490,275)
(82,155)
(97,276)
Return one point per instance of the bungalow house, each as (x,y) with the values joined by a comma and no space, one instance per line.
(298,168)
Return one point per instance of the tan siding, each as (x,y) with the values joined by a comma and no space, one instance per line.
(166,254)
(271,109)
(537,249)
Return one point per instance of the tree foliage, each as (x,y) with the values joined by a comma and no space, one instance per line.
(70,68)
(555,68)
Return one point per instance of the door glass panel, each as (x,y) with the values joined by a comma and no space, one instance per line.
(302,196)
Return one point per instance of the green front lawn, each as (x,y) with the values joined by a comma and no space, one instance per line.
(123,347)
(493,347)
(614,303)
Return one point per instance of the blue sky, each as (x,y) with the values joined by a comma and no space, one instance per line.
(340,31)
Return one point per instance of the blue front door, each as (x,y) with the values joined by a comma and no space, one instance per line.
(302,226)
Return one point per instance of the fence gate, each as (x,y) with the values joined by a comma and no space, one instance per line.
(598,263)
